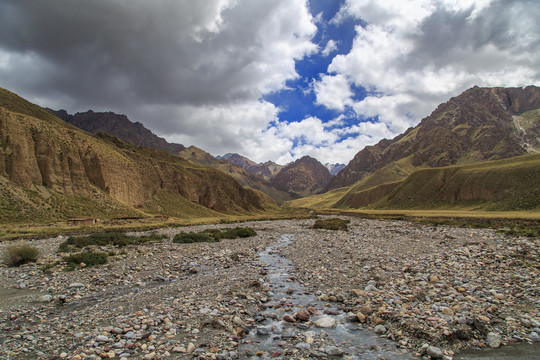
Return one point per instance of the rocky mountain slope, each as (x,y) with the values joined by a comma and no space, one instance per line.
(478,125)
(304,177)
(242,175)
(52,170)
(118,126)
(266,170)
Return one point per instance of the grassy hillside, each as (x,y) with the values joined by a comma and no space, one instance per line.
(319,201)
(504,185)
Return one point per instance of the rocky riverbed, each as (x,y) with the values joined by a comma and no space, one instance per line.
(408,290)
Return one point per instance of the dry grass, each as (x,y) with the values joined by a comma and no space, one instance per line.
(17,255)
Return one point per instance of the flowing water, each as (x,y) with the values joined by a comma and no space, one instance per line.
(355,341)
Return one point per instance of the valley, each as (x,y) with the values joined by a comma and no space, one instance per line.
(441,254)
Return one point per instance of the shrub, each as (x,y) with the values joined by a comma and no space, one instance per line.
(17,255)
(331,224)
(215,233)
(244,232)
(89,258)
(229,233)
(191,237)
(104,239)
(237,232)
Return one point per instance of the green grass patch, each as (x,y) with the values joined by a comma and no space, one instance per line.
(17,255)
(214,235)
(331,224)
(89,258)
(106,239)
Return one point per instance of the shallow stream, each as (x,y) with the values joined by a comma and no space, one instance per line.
(288,296)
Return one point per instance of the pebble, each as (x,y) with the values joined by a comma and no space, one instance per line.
(380,329)
(45,299)
(76,285)
(493,340)
(434,352)
(325,322)
(333,351)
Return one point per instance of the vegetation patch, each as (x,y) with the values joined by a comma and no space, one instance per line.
(88,258)
(106,239)
(528,231)
(331,224)
(214,235)
(191,237)
(17,255)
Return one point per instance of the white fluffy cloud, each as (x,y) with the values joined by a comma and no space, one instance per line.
(330,47)
(333,92)
(411,55)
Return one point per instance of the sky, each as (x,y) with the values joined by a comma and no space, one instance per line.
(268,79)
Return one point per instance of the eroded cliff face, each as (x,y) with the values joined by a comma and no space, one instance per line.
(67,161)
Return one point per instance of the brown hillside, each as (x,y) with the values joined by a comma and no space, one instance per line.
(50,157)
(304,177)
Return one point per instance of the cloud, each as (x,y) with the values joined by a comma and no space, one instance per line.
(333,92)
(413,55)
(330,47)
(184,53)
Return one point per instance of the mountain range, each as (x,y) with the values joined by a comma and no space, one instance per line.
(478,150)
(245,171)
(265,170)
(478,126)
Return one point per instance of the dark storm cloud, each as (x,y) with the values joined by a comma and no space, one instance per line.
(110,53)
(449,36)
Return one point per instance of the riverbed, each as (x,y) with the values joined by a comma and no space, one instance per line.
(290,292)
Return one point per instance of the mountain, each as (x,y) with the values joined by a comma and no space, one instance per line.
(480,124)
(265,170)
(334,168)
(51,170)
(243,176)
(304,177)
(118,126)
